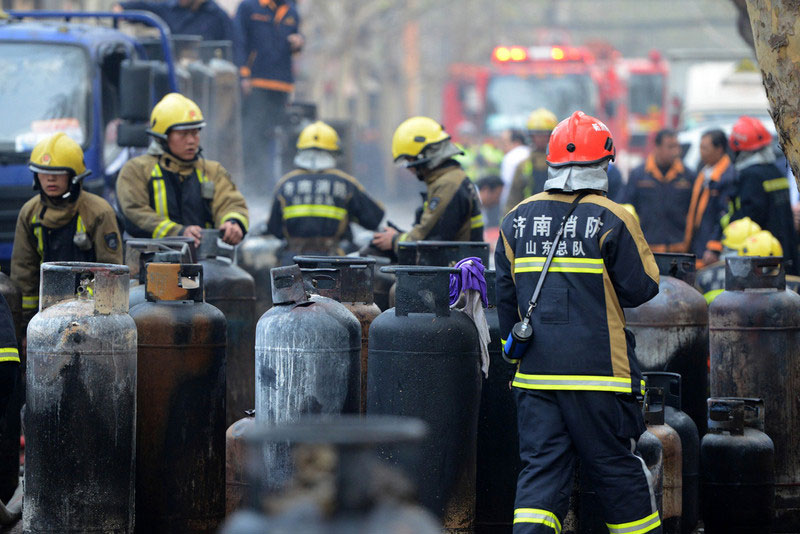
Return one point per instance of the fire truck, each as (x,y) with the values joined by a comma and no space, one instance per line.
(518,79)
(647,99)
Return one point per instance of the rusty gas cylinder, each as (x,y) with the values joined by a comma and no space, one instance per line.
(425,362)
(498,439)
(336,482)
(672,332)
(80,414)
(348,280)
(237,486)
(139,252)
(307,360)
(672,496)
(690,445)
(180,419)
(755,352)
(232,291)
(10,420)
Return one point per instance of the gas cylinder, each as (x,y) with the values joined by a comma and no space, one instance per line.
(424,361)
(138,252)
(690,445)
(672,462)
(348,280)
(336,482)
(10,420)
(180,417)
(672,332)
(232,291)
(649,448)
(755,352)
(257,254)
(737,468)
(498,440)
(307,360)
(80,414)
(236,484)
(441,253)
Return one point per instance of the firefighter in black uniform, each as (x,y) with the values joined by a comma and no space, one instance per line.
(762,189)
(577,384)
(451,209)
(315,203)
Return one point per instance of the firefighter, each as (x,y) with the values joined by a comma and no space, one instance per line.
(451,209)
(62,222)
(577,385)
(172,190)
(710,196)
(530,175)
(661,189)
(762,189)
(315,203)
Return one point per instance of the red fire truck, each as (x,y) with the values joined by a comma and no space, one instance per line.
(520,79)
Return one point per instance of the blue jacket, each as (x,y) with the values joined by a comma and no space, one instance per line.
(208,21)
(601,265)
(661,202)
(261,48)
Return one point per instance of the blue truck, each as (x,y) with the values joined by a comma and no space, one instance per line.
(79,73)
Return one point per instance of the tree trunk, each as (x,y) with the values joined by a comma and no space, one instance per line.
(776,36)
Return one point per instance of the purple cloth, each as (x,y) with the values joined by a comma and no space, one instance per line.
(470,277)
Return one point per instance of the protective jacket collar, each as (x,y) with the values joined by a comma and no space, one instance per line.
(755,157)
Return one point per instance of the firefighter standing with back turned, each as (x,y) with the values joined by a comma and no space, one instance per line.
(315,203)
(451,210)
(62,222)
(171,190)
(577,385)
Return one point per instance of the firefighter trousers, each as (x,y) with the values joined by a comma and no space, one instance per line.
(600,428)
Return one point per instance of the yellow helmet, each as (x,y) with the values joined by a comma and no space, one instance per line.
(414,135)
(632,211)
(541,120)
(761,243)
(56,154)
(318,135)
(736,232)
(175,111)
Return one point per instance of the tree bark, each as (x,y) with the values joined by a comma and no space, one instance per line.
(776,35)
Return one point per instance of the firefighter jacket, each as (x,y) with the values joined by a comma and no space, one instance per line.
(313,210)
(602,264)
(261,48)
(160,195)
(48,230)
(9,355)
(763,195)
(710,197)
(662,201)
(529,179)
(451,211)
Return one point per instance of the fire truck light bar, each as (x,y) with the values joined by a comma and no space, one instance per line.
(505,54)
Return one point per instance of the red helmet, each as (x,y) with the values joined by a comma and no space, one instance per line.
(580,140)
(749,134)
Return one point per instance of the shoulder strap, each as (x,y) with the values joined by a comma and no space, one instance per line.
(549,260)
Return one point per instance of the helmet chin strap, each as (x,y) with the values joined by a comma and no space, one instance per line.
(165,146)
